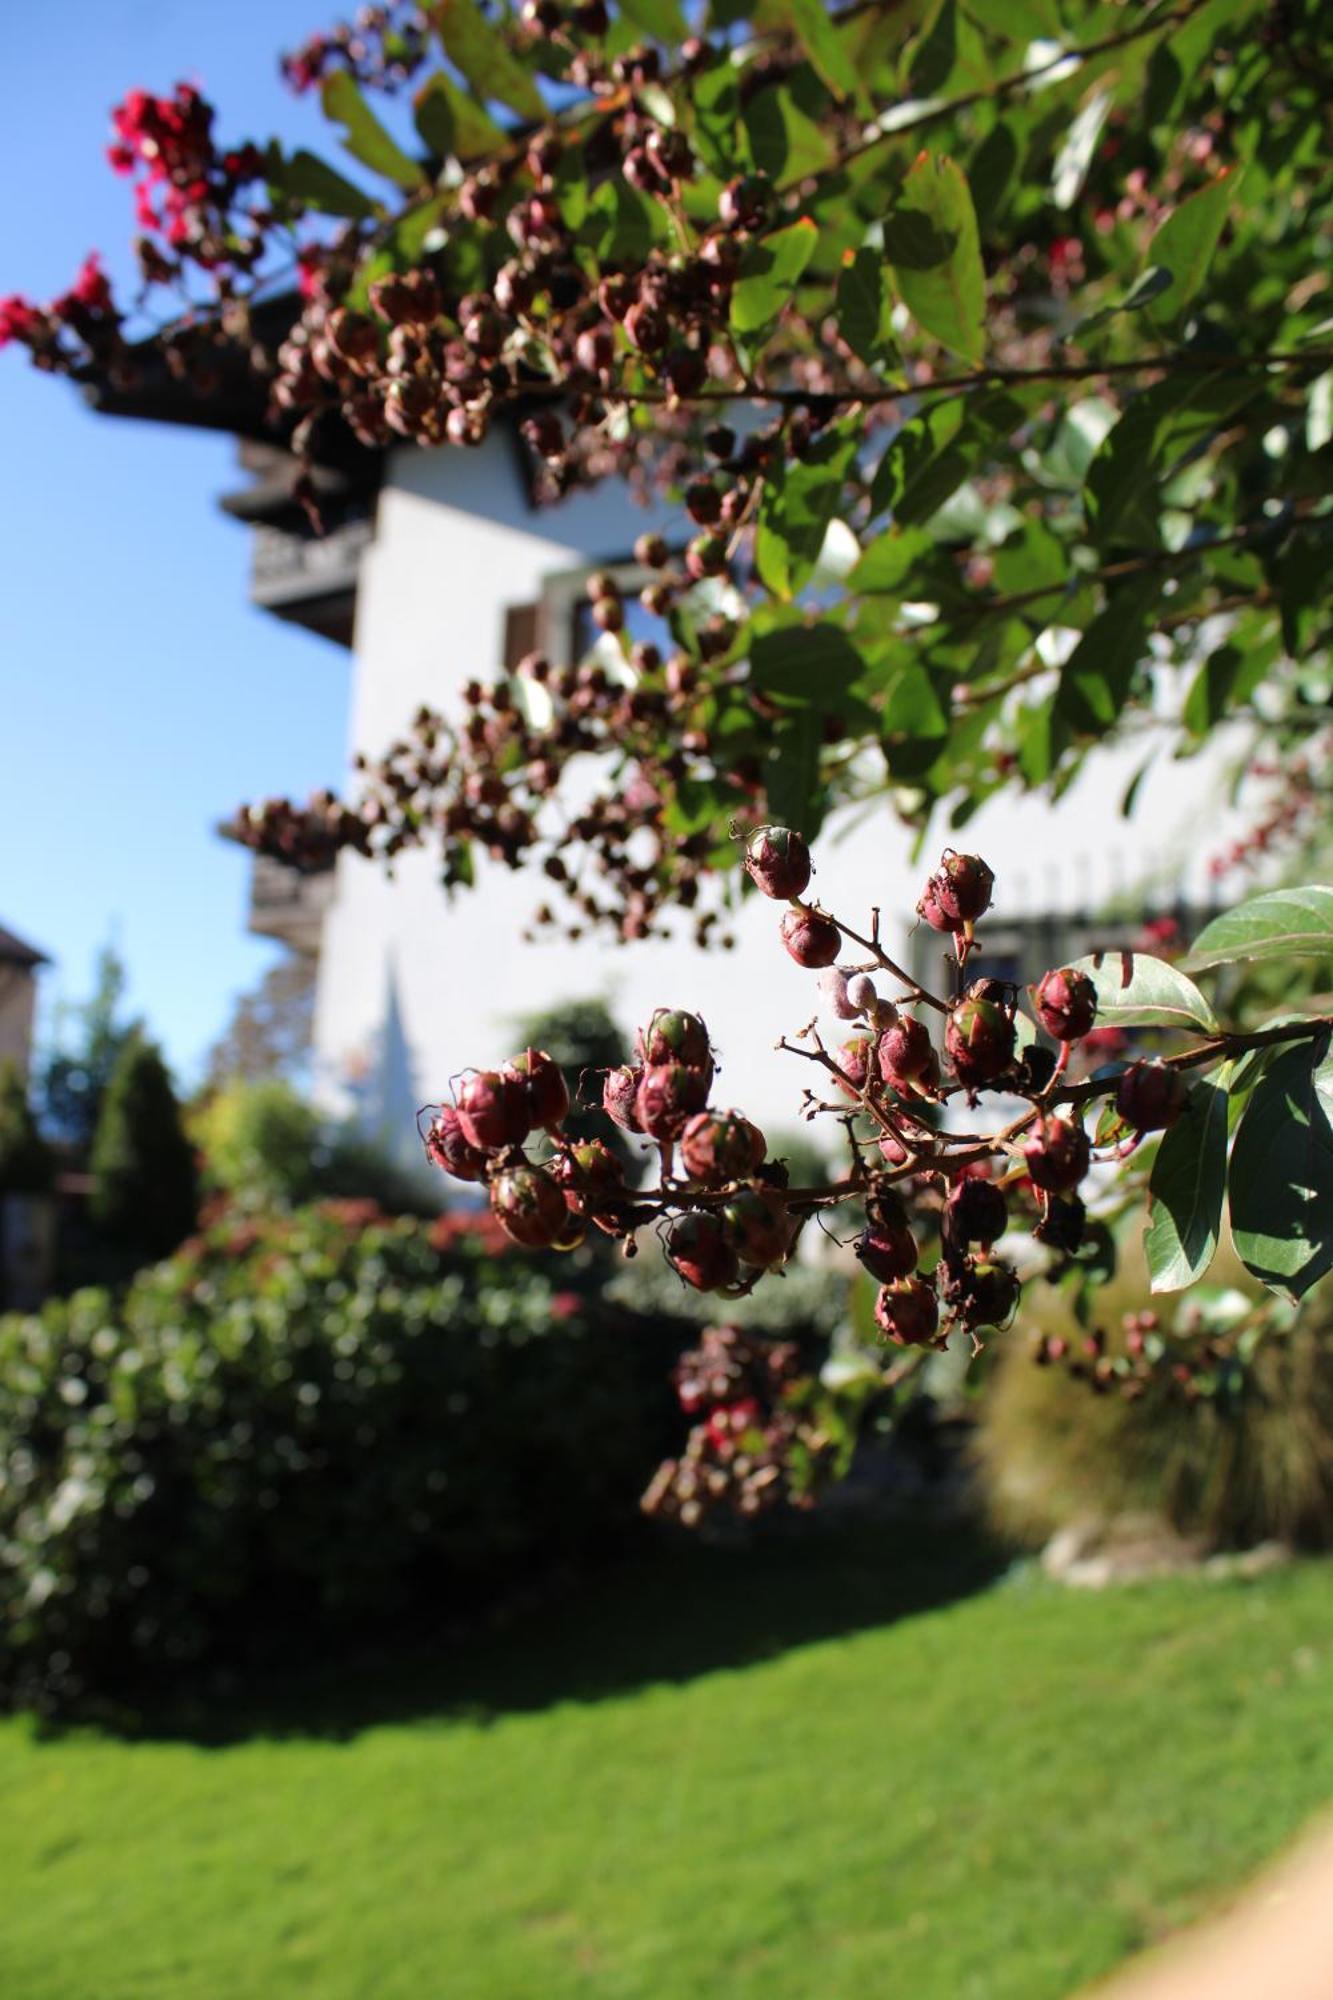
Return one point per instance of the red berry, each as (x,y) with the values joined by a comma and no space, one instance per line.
(905,1053)
(675,1036)
(1066,1004)
(985,1293)
(777,861)
(1057,1156)
(976,1212)
(979,1038)
(529,1207)
(907,1312)
(719,1146)
(888,1252)
(588,1172)
(543,1079)
(1149,1096)
(447,1148)
(697,1248)
(812,938)
(620,1095)
(854,1060)
(669,1095)
(758,1226)
(493,1110)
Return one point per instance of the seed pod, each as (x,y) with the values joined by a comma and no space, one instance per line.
(620,1094)
(493,1111)
(675,1036)
(777,861)
(962,886)
(669,1095)
(1149,1096)
(698,1250)
(976,1212)
(544,1081)
(887,1252)
(588,1172)
(861,994)
(855,1060)
(1066,1004)
(720,1146)
(758,1226)
(812,939)
(905,1052)
(986,1293)
(1061,1227)
(979,1038)
(529,1207)
(1057,1156)
(447,1148)
(907,1313)
(833,986)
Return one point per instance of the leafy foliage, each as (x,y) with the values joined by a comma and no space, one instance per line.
(26,1161)
(145,1183)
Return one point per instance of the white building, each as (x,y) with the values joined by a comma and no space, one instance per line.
(439,568)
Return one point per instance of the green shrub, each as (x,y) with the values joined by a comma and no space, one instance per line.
(27,1164)
(1251,1460)
(266,1147)
(304,1420)
(145,1186)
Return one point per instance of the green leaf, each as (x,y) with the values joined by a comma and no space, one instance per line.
(1185,242)
(1227,677)
(912,708)
(806,663)
(784,143)
(769,270)
(484,57)
(864,306)
(715,103)
(1186,1190)
(1176,416)
(800,498)
(930,238)
(934,52)
(618,227)
(662,19)
(791,771)
(888,563)
(363,135)
(1284,923)
(451,123)
(1096,679)
(1135,990)
(1149,285)
(307,178)
(828,50)
(1076,154)
(922,465)
(1281,1180)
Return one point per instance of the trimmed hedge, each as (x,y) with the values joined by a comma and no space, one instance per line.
(315,1419)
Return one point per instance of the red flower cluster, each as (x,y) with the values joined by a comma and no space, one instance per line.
(382,48)
(187,191)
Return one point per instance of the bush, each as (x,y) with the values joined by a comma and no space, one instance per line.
(145,1187)
(266,1147)
(1249,1461)
(27,1164)
(328,1417)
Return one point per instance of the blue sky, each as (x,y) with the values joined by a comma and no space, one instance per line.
(140,695)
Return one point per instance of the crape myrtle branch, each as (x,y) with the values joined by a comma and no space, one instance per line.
(727,1213)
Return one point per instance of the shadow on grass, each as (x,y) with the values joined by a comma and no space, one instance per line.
(678,1610)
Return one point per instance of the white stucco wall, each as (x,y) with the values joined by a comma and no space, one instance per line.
(413,988)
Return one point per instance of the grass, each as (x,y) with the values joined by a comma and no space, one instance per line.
(832,1768)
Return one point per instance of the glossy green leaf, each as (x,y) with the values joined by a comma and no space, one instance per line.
(1281,1179)
(808,663)
(1174,417)
(1284,923)
(934,52)
(363,135)
(931,241)
(769,269)
(791,771)
(1228,677)
(784,143)
(1149,285)
(451,123)
(1135,990)
(484,57)
(922,465)
(1186,1190)
(1185,242)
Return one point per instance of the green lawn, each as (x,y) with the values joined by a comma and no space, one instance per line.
(817,1773)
